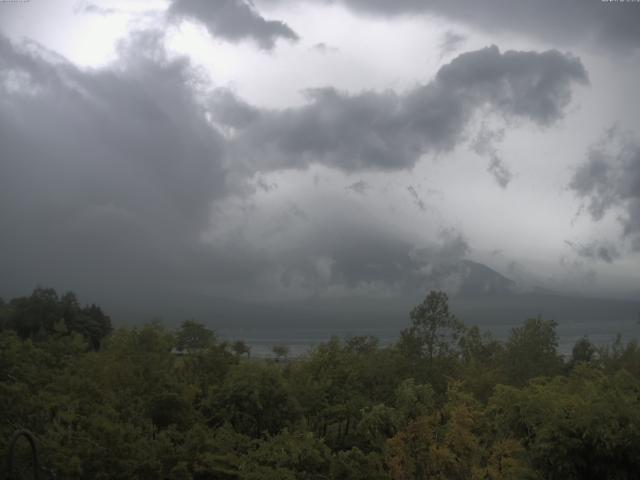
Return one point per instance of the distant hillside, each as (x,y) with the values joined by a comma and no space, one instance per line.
(478,279)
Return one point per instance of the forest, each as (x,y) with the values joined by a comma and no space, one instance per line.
(446,401)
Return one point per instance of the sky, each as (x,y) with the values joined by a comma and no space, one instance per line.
(280,150)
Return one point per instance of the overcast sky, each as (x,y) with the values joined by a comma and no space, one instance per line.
(282,149)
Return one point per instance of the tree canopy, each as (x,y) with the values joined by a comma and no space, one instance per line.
(446,401)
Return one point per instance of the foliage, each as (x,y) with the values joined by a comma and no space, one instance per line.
(431,345)
(241,348)
(531,351)
(192,336)
(40,315)
(281,352)
(445,402)
(584,426)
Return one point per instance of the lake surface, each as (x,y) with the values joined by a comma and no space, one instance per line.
(301,340)
(304,325)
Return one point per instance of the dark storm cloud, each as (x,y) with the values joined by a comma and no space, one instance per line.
(390,131)
(233,20)
(603,24)
(610,178)
(106,176)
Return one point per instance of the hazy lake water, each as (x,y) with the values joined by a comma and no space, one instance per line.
(301,340)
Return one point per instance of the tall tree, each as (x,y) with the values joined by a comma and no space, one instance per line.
(193,335)
(434,330)
(240,348)
(531,351)
(280,351)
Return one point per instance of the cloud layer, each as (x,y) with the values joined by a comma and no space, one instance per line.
(111,177)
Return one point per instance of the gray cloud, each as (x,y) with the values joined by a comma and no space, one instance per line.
(484,144)
(324,48)
(416,198)
(452,248)
(451,42)
(106,175)
(265,186)
(93,9)
(335,250)
(390,131)
(600,24)
(500,171)
(596,250)
(229,110)
(578,273)
(361,187)
(233,20)
(610,178)
(361,257)
(110,178)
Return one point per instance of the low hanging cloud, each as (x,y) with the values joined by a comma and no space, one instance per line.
(233,20)
(337,248)
(610,179)
(358,257)
(390,131)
